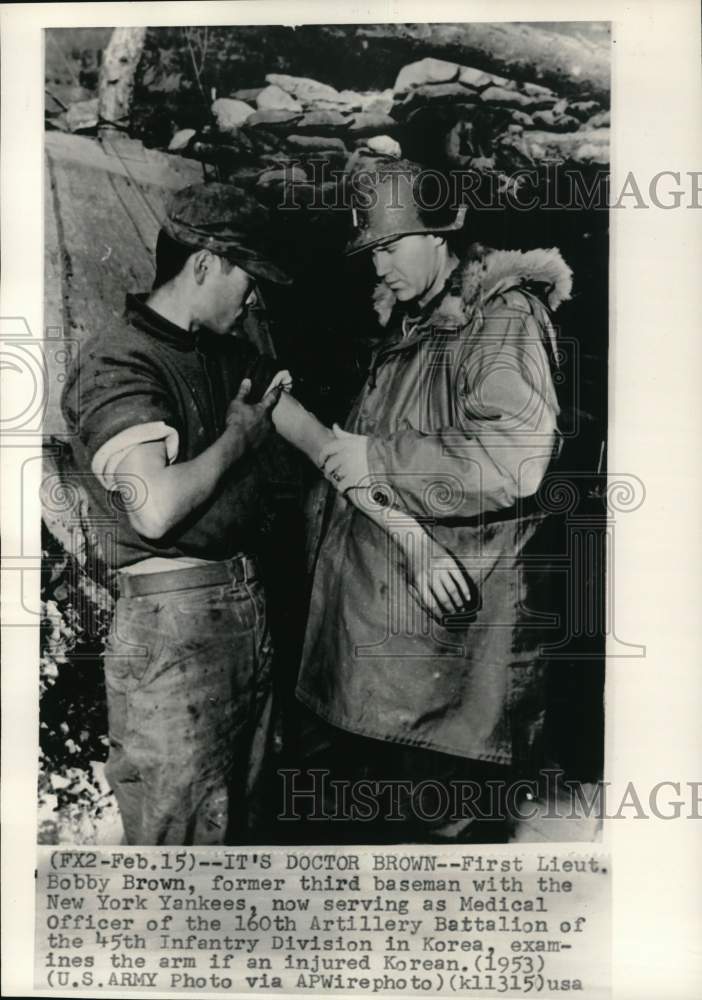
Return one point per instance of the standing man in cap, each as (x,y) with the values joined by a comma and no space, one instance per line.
(172,416)
(455,427)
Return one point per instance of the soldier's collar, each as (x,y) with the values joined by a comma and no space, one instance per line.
(144,318)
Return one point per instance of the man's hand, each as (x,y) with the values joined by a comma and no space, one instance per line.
(252,421)
(436,581)
(283,380)
(344,460)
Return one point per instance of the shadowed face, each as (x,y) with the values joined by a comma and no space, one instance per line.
(408,265)
(222,295)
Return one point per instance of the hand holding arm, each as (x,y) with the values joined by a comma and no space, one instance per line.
(344,459)
(168,493)
(435,579)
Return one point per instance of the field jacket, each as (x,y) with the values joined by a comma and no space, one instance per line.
(461,416)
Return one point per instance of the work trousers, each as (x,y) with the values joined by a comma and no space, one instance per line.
(189,697)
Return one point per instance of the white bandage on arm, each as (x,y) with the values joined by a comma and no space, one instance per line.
(108,457)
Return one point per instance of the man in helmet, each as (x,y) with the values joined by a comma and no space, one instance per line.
(455,426)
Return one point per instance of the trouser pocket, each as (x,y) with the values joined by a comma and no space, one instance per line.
(189,698)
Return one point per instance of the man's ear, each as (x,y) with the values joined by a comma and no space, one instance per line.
(201,262)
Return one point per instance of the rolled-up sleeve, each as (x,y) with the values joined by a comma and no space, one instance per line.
(502,434)
(116,401)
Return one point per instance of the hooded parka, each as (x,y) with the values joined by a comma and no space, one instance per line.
(460,412)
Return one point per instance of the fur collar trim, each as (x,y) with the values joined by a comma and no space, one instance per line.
(483,274)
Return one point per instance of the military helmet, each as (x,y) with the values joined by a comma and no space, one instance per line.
(395,199)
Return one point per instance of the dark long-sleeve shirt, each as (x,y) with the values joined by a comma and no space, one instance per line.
(146,380)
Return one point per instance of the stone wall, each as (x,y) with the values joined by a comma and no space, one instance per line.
(444,114)
(235,98)
(287,113)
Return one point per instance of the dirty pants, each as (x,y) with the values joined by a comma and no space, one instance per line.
(189,698)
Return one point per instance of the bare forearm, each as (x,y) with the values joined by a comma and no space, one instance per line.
(300,427)
(172,492)
(303,430)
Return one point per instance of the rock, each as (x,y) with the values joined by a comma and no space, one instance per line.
(303,88)
(281,175)
(506,98)
(230,113)
(476,78)
(600,120)
(522,119)
(424,71)
(543,102)
(554,121)
(351,99)
(583,110)
(371,123)
(344,107)
(379,103)
(82,115)
(537,90)
(248,94)
(583,146)
(233,147)
(277,121)
(273,98)
(323,123)
(436,93)
(181,140)
(319,144)
(384,145)
(591,152)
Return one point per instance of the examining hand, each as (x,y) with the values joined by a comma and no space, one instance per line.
(283,380)
(253,420)
(344,460)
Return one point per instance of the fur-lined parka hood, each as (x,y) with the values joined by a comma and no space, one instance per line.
(482,274)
